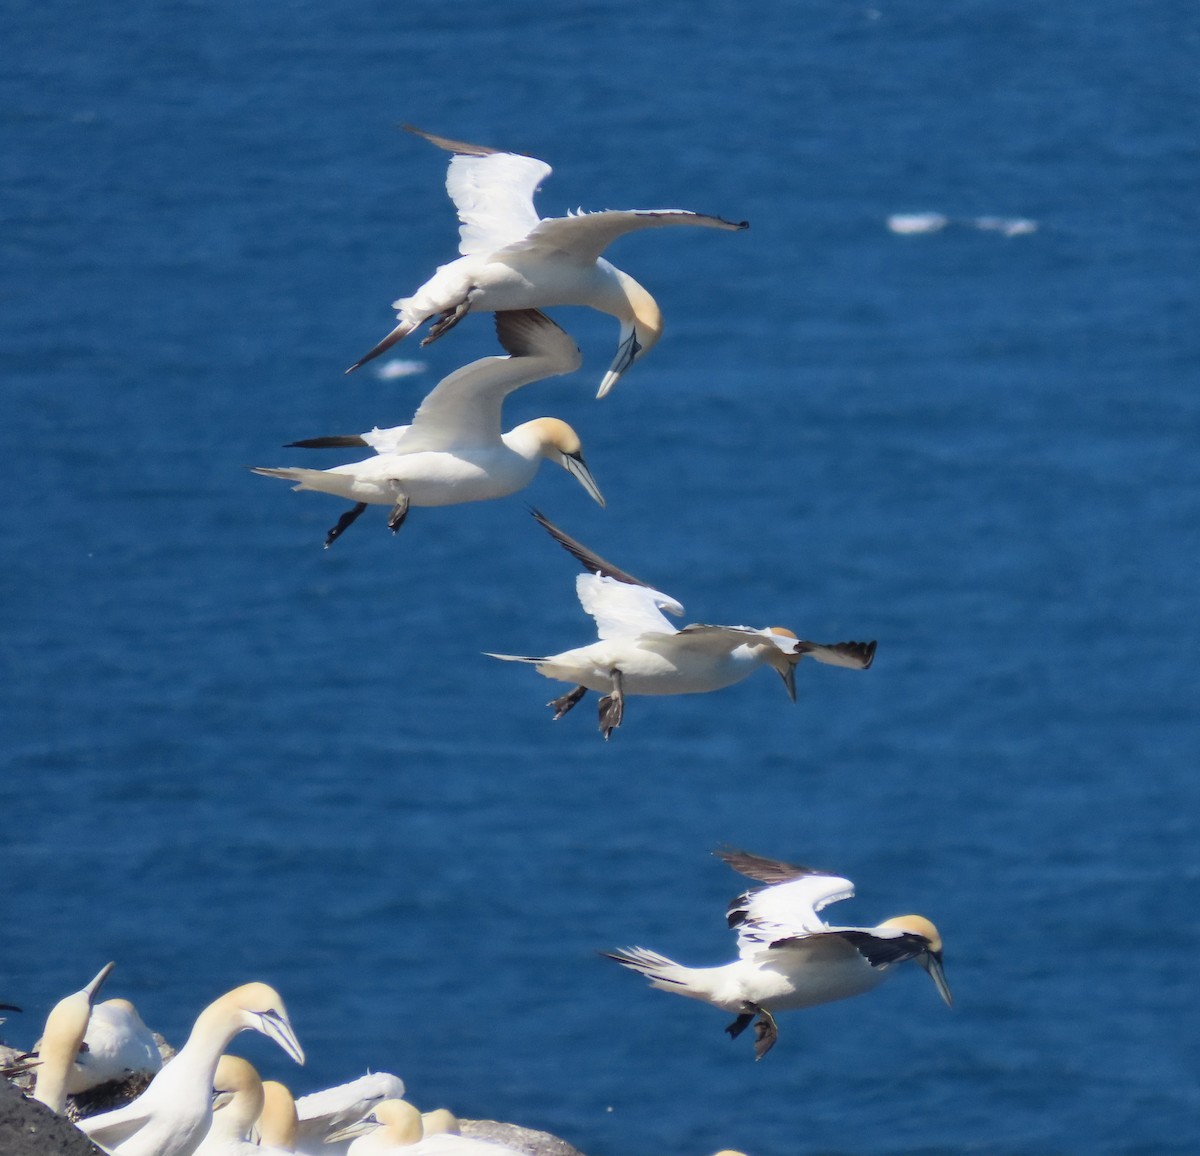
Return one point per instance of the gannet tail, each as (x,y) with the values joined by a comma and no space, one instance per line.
(663,973)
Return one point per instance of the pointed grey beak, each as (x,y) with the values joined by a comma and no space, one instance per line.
(627,352)
(94,986)
(360,1128)
(931,961)
(789,680)
(280,1030)
(577,468)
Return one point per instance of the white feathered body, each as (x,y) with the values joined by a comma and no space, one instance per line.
(119,1045)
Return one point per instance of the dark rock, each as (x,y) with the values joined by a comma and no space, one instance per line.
(28,1128)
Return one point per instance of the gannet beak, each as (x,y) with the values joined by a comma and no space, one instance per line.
(94,986)
(277,1027)
(931,961)
(627,353)
(577,468)
(361,1128)
(789,680)
(221,1099)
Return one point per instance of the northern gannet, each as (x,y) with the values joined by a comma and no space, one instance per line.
(171,1117)
(789,957)
(59,1046)
(322,1114)
(238,1104)
(117,1045)
(514,259)
(397,1126)
(641,652)
(454,450)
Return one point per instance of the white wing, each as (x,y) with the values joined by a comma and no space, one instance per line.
(784,911)
(111,1128)
(323,1112)
(494,198)
(464,408)
(584,236)
(622,610)
(721,640)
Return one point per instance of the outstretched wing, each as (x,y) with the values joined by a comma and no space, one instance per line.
(852,655)
(589,560)
(464,408)
(624,611)
(584,236)
(492,191)
(785,910)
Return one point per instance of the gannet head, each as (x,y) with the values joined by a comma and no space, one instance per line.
(239,1095)
(399,1117)
(641,327)
(277,1124)
(65,1028)
(259,1007)
(782,660)
(561,444)
(440,1120)
(931,958)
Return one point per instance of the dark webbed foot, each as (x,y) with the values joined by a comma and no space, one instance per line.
(398,514)
(444,322)
(565,702)
(740,1024)
(612,706)
(766,1032)
(344,522)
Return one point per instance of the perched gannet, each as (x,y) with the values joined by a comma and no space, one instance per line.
(514,259)
(278,1124)
(439,1121)
(171,1117)
(789,957)
(322,1114)
(117,1045)
(641,652)
(396,1126)
(454,450)
(61,1039)
(237,1105)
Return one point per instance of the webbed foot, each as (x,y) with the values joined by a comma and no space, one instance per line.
(565,702)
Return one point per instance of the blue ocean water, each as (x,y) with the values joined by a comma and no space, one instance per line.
(231,755)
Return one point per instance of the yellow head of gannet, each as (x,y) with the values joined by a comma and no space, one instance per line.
(239,1098)
(277,1123)
(782,662)
(559,443)
(65,1028)
(439,1121)
(399,1120)
(931,958)
(255,1007)
(641,327)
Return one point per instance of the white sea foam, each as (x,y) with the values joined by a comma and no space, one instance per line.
(912,223)
(399,367)
(917,222)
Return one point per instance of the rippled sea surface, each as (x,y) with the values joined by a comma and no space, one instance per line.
(229,754)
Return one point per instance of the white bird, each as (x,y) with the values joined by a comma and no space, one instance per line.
(322,1114)
(454,450)
(788,956)
(641,652)
(61,1039)
(395,1126)
(514,259)
(117,1045)
(171,1117)
(237,1105)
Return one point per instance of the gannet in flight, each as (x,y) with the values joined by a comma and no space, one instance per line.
(454,451)
(514,259)
(641,652)
(788,956)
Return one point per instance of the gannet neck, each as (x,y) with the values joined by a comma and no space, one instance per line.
(65,1028)
(236,1079)
(277,1123)
(642,311)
